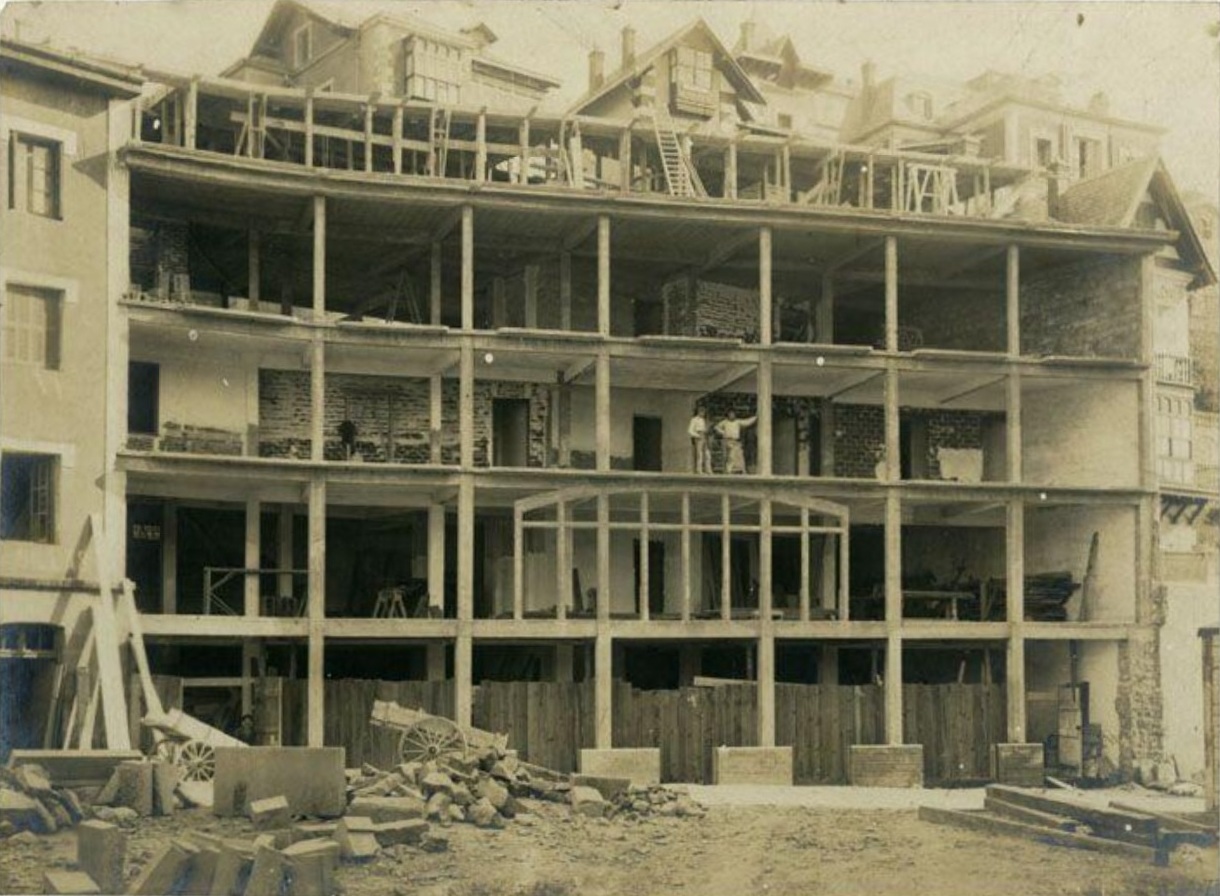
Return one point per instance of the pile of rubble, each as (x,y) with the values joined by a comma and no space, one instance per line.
(656,801)
(30,804)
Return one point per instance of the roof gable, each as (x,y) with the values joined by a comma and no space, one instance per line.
(1112,198)
(696,30)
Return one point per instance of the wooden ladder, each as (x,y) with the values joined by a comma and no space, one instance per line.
(681,178)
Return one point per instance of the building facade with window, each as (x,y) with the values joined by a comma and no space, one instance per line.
(424,409)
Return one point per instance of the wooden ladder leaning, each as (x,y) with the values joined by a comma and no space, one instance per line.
(441,127)
(681,178)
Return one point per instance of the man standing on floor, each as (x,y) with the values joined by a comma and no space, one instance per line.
(698,441)
(730,430)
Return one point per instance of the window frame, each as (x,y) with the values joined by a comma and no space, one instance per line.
(301,59)
(23,147)
(41,499)
(48,333)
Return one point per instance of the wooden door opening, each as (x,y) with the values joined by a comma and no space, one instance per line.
(510,432)
(646,443)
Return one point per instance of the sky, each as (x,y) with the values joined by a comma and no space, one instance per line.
(1156,61)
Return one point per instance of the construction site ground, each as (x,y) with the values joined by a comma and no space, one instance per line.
(752,840)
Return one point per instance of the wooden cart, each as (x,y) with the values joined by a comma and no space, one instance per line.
(189,743)
(426,737)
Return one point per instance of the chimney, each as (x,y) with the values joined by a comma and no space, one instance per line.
(747,35)
(597,68)
(868,74)
(628,47)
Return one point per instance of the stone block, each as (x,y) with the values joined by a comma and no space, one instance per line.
(33,779)
(166,872)
(310,778)
(25,813)
(436,782)
(101,852)
(481,813)
(393,833)
(270,814)
(311,867)
(133,787)
(232,870)
(610,788)
(1022,765)
(268,873)
(899,765)
(355,836)
(494,792)
(589,802)
(203,869)
(165,782)
(641,766)
(388,808)
(70,883)
(313,830)
(752,765)
(74,768)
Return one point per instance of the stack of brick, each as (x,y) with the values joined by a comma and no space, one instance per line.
(30,802)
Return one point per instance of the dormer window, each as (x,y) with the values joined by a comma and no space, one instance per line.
(302,46)
(433,71)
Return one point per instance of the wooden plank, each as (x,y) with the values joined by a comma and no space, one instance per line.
(1132,827)
(1168,818)
(109,661)
(1002,807)
(990,824)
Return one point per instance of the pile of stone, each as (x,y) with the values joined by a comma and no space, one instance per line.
(1164,776)
(657,801)
(29,802)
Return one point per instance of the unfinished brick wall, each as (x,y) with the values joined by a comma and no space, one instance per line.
(389,408)
(965,320)
(1087,308)
(859,440)
(1140,704)
(950,429)
(706,308)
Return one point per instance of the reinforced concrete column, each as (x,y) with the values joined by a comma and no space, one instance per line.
(766,640)
(602,432)
(169,558)
(824,312)
(466,403)
(565,291)
(434,284)
(253,555)
(285,584)
(316,611)
(1012,300)
(317,398)
(436,556)
(1015,602)
(891,294)
(603,674)
(467,267)
(253,268)
(319,258)
(603,275)
(893,619)
(464,647)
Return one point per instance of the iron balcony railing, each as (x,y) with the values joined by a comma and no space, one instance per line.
(1174,369)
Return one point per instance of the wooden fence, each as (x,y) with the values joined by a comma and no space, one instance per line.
(957,724)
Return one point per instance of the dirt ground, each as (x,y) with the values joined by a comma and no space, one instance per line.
(776,850)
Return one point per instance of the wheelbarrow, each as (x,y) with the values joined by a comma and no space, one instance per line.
(188,743)
(425,737)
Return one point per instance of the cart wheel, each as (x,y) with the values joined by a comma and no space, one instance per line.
(197,761)
(431,739)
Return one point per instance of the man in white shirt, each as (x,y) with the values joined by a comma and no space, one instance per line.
(698,441)
(730,430)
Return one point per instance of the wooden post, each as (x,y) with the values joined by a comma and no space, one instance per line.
(466,405)
(624,160)
(317,611)
(603,275)
(1015,602)
(480,155)
(191,114)
(252,556)
(565,291)
(467,267)
(434,284)
(169,558)
(1013,300)
(602,411)
(730,171)
(309,128)
(319,258)
(891,294)
(603,672)
(253,268)
(436,557)
(317,399)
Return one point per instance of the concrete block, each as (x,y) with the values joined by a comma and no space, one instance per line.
(75,883)
(203,869)
(1022,765)
(587,801)
(310,778)
(610,788)
(270,813)
(313,830)
(166,872)
(165,782)
(268,873)
(101,852)
(311,867)
(886,765)
(395,832)
(355,836)
(640,765)
(232,870)
(752,765)
(388,808)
